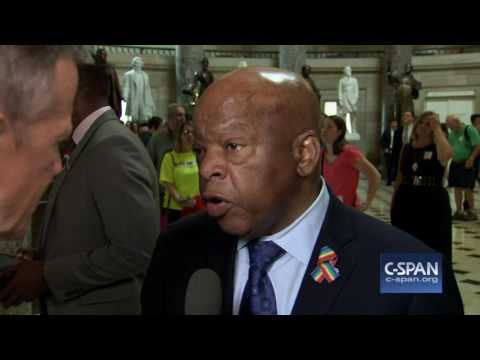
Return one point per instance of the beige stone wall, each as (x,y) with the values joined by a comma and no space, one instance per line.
(439,73)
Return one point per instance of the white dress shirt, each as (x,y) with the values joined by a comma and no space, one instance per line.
(86,123)
(287,273)
(407,134)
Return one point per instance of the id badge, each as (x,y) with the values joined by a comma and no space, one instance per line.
(428,155)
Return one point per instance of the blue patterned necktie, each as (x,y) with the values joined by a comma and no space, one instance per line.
(259,296)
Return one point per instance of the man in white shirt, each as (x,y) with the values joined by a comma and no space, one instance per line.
(280,242)
(403,135)
(387,142)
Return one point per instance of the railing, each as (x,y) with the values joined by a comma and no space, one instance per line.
(137,50)
(171,52)
(242,54)
(344,54)
(447,50)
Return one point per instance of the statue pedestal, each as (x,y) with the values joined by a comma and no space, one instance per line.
(352,137)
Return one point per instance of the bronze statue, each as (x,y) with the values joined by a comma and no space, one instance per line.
(201,81)
(407,89)
(115,92)
(306,70)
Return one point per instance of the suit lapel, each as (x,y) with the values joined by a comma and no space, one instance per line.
(60,179)
(336,233)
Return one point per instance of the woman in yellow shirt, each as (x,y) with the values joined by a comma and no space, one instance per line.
(179,175)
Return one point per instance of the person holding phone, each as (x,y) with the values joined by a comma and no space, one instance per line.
(420,203)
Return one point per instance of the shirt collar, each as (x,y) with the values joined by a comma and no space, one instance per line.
(300,237)
(86,123)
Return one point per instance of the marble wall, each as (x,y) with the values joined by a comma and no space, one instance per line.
(438,73)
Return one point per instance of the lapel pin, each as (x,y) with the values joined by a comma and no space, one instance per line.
(326,269)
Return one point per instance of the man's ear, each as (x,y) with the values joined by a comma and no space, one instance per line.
(307,153)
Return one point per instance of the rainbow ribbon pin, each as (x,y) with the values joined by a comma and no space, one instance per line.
(326,266)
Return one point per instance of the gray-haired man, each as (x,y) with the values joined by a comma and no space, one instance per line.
(37,90)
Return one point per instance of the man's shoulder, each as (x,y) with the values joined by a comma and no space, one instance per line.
(472,131)
(373,236)
(198,224)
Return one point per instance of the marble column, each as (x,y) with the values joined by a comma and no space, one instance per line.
(396,57)
(293,57)
(188,61)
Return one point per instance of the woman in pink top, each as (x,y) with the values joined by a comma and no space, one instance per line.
(342,164)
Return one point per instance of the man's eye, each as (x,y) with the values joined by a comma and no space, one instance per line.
(233,147)
(197,150)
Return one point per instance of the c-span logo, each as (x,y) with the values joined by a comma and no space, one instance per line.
(411,273)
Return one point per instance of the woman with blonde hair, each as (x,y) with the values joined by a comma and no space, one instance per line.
(420,203)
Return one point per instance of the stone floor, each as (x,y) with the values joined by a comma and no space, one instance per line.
(466,252)
(466,247)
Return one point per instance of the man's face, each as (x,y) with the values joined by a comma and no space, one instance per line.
(246,166)
(34,162)
(393,125)
(408,118)
(476,122)
(453,123)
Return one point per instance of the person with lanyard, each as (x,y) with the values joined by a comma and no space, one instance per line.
(420,203)
(387,146)
(179,175)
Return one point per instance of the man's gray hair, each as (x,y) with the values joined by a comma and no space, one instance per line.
(26,77)
(172,110)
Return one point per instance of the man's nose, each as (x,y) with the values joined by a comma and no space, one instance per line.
(212,165)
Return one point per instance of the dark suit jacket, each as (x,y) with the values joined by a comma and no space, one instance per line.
(101,224)
(386,139)
(359,240)
(397,146)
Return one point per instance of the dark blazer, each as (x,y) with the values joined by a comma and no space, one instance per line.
(198,242)
(397,145)
(386,139)
(101,224)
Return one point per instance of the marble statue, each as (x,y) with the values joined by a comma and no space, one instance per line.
(137,93)
(242,64)
(306,71)
(348,93)
(407,89)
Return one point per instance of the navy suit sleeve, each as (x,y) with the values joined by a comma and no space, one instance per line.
(449,303)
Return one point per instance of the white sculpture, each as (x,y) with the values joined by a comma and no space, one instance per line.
(348,92)
(242,64)
(137,93)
